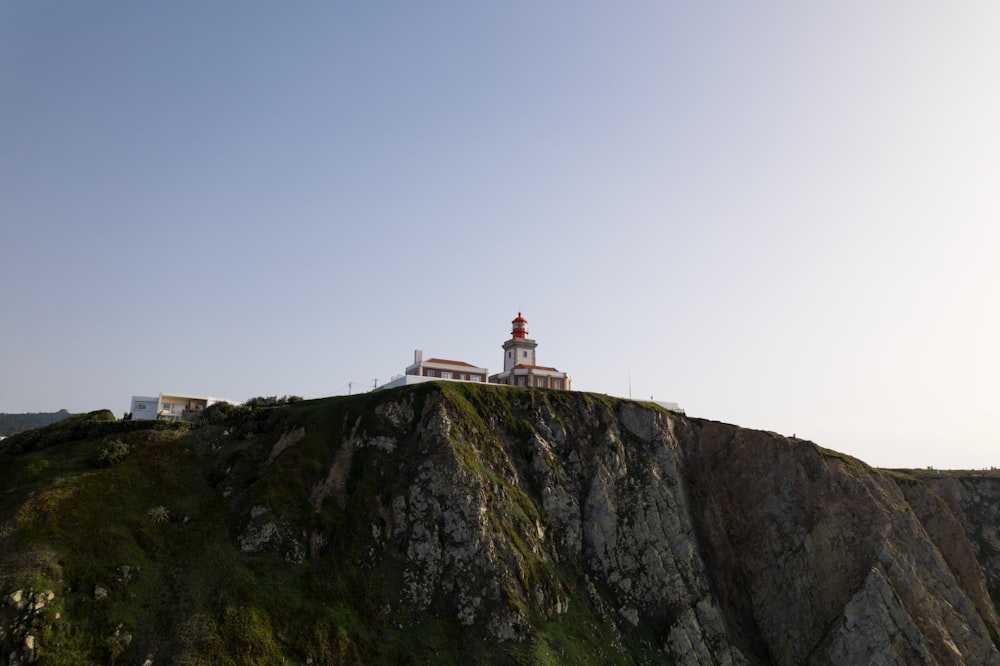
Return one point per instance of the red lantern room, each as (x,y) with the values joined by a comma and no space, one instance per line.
(520,327)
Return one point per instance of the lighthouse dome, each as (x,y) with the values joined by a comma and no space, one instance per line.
(520,326)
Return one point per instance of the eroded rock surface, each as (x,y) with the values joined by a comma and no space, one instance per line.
(518,523)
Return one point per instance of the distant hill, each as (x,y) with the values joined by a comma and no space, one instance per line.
(11,424)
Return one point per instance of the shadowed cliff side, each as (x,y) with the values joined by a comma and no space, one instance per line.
(820,559)
(973,498)
(459,523)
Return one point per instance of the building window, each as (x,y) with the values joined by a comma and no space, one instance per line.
(540,382)
(475,378)
(140,406)
(557,383)
(430,373)
(445,374)
(520,381)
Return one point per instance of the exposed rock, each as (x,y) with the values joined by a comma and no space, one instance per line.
(16,599)
(399,414)
(255,537)
(287,440)
(126,575)
(731,539)
(30,649)
(335,483)
(22,623)
(523,521)
(975,502)
(386,444)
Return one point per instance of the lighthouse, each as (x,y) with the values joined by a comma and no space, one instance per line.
(519,366)
(519,350)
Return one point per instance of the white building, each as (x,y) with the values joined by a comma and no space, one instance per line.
(172,406)
(435,369)
(519,367)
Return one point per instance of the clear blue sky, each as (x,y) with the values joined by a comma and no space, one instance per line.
(782,215)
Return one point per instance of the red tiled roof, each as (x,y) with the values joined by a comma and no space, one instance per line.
(444,361)
(535,367)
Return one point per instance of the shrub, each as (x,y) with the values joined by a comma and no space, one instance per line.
(113,451)
(219,413)
(159,514)
(520,427)
(272,401)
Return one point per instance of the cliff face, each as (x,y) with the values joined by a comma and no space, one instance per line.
(488,524)
(974,500)
(820,559)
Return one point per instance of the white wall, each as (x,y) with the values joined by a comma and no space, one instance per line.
(144,407)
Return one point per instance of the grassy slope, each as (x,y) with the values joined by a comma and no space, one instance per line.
(69,522)
(195,595)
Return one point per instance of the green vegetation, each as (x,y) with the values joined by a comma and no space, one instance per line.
(284,530)
(923,474)
(272,401)
(156,502)
(113,451)
(83,427)
(850,461)
(264,533)
(902,477)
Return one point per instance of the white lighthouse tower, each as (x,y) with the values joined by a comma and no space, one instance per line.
(519,350)
(519,366)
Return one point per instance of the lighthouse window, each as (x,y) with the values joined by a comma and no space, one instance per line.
(524,354)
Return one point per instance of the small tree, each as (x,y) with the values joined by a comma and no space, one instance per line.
(272,401)
(218,413)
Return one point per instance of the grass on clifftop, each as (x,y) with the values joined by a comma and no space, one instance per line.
(71,523)
(172,503)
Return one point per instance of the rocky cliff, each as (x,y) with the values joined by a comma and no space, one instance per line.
(449,523)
